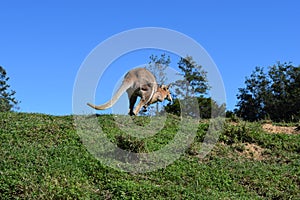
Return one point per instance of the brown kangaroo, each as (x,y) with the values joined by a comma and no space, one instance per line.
(141,83)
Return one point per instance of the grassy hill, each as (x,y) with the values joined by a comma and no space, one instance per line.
(42,157)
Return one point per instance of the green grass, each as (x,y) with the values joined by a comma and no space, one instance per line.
(42,157)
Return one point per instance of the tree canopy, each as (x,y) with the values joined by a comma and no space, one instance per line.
(7,99)
(194,81)
(274,94)
(192,91)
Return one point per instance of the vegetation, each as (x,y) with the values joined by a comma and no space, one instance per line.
(7,99)
(193,85)
(274,94)
(42,157)
(157,66)
(207,106)
(194,82)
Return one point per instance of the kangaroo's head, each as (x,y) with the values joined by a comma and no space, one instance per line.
(165,92)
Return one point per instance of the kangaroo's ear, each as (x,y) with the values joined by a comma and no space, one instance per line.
(168,86)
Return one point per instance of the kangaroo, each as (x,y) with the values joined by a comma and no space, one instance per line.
(138,82)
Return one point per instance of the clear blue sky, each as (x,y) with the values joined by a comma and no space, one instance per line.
(43,43)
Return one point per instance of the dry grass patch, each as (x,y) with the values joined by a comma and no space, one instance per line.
(251,151)
(270,128)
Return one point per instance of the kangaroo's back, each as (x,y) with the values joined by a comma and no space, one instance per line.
(140,76)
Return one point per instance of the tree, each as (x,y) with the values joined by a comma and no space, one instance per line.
(253,97)
(284,103)
(7,99)
(207,106)
(193,84)
(158,66)
(274,95)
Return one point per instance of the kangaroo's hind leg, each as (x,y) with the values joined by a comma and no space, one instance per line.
(132,100)
(139,106)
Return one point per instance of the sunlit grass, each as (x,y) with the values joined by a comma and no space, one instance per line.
(42,157)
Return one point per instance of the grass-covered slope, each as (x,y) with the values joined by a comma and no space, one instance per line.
(42,157)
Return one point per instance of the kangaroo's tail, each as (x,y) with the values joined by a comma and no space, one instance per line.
(125,85)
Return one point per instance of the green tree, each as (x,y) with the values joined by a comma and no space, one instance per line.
(207,106)
(284,103)
(253,97)
(7,99)
(274,95)
(193,84)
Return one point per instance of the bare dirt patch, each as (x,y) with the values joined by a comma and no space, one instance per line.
(270,128)
(243,150)
(251,151)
